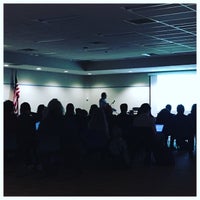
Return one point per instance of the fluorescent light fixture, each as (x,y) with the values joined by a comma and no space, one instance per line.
(65,71)
(89,73)
(38,68)
(50,53)
(51,40)
(146,54)
(96,49)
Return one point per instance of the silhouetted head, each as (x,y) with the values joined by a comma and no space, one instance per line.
(54,108)
(144,108)
(124,108)
(180,109)
(103,95)
(25,108)
(194,109)
(168,107)
(78,111)
(93,109)
(70,109)
(8,107)
(84,113)
(40,108)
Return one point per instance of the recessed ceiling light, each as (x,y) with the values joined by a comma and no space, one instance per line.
(6,65)
(89,73)
(65,71)
(146,54)
(130,71)
(38,68)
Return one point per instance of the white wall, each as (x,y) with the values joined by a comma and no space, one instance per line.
(133,96)
(83,91)
(132,89)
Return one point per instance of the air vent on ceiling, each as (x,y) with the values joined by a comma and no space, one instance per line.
(97,42)
(56,19)
(140,21)
(96,49)
(28,50)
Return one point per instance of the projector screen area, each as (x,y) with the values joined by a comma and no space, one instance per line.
(174,89)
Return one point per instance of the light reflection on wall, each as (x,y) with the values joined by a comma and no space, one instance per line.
(52,83)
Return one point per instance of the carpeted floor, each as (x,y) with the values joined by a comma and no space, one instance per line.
(139,180)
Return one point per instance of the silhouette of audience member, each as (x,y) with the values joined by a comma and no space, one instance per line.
(118,149)
(110,117)
(10,125)
(181,128)
(50,131)
(70,118)
(40,113)
(165,117)
(124,120)
(9,116)
(98,123)
(82,118)
(26,135)
(70,110)
(144,125)
(192,128)
(144,117)
(97,136)
(71,139)
(92,109)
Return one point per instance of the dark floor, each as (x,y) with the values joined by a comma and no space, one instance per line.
(139,180)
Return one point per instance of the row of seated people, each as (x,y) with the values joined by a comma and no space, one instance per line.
(180,127)
(68,138)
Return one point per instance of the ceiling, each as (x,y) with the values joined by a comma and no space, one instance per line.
(100,38)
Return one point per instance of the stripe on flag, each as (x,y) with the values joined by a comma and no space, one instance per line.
(16,95)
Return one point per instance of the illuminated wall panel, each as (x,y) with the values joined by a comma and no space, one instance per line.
(174,89)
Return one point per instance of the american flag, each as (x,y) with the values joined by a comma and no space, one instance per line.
(16,95)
